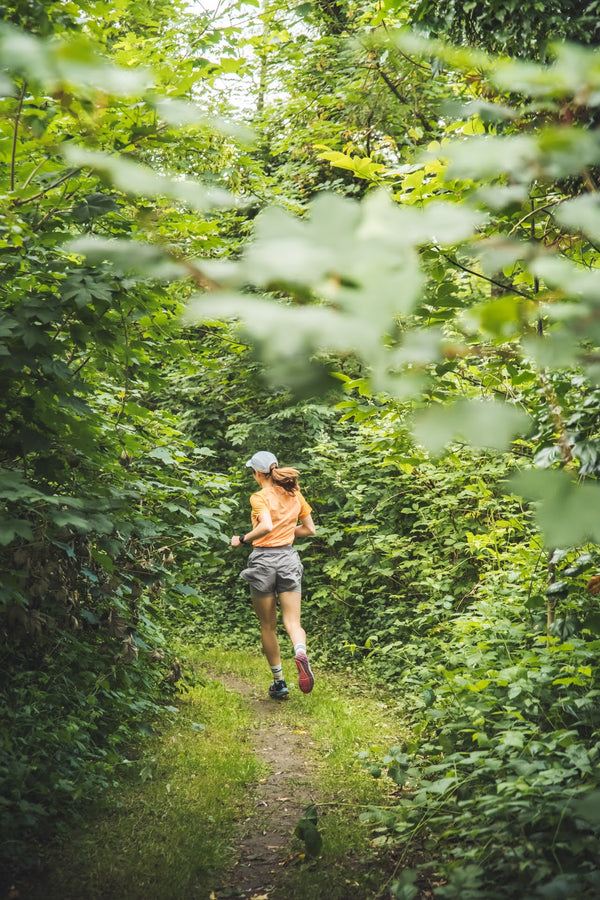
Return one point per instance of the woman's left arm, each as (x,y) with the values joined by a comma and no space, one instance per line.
(307,527)
(265,525)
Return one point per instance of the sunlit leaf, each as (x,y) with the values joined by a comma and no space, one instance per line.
(363,167)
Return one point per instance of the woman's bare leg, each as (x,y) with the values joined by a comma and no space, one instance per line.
(266,611)
(290,610)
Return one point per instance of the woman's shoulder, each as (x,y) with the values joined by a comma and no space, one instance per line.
(258,496)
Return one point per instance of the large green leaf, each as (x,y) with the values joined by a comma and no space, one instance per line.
(557,350)
(284,330)
(555,153)
(307,831)
(574,71)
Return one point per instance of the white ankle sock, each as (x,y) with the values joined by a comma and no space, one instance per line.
(299,648)
(277,672)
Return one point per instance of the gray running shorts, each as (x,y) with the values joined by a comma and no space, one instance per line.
(271,570)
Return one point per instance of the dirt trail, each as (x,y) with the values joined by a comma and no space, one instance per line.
(264,846)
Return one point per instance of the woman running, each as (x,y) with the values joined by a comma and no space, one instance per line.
(274,568)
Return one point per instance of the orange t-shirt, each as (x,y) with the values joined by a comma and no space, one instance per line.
(285,510)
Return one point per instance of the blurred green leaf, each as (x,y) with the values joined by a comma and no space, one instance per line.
(555,153)
(556,350)
(7,88)
(181,113)
(137,179)
(127,255)
(588,807)
(567,513)
(482,423)
(581,214)
(574,72)
(76,61)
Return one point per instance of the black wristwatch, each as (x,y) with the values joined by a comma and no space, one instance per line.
(241,539)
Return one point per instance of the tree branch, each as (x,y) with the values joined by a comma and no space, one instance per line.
(33,173)
(393,87)
(81,365)
(504,287)
(51,211)
(533,212)
(22,201)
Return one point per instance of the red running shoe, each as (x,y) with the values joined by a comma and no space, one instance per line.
(306,678)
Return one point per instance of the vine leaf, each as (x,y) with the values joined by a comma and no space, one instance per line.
(307,831)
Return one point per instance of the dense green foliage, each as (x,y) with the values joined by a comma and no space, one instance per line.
(527,28)
(98,481)
(414,324)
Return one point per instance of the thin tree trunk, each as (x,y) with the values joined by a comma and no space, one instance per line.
(262,83)
(550,599)
(13,157)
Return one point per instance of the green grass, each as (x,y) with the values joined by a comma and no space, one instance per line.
(169,826)
(169,829)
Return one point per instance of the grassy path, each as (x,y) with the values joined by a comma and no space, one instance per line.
(210,808)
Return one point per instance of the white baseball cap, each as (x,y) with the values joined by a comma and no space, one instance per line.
(262,461)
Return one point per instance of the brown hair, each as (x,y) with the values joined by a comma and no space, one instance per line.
(286,478)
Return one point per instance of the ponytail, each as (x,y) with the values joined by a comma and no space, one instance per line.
(286,478)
